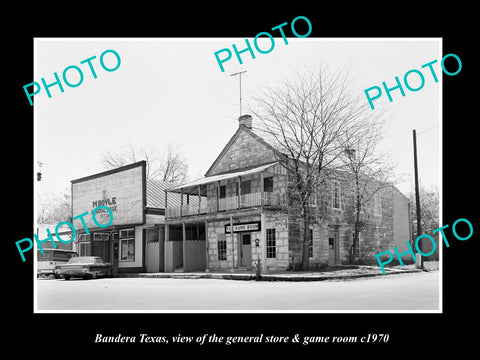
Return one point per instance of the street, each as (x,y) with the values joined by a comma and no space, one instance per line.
(414,291)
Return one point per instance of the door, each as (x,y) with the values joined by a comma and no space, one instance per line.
(333,250)
(115,253)
(246,249)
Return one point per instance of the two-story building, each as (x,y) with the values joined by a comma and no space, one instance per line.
(238,214)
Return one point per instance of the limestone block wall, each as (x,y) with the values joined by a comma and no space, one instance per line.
(246,151)
(279,222)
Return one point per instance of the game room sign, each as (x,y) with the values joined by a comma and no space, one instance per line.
(243,227)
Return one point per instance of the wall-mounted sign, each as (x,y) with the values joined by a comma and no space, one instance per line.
(122,190)
(281,223)
(243,227)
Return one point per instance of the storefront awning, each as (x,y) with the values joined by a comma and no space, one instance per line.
(192,187)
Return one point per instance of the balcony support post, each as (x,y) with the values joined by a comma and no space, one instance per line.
(262,189)
(239,192)
(199,200)
(181,204)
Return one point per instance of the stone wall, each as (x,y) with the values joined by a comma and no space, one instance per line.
(385,223)
(246,151)
(279,222)
(273,220)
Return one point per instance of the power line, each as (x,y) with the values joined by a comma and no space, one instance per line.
(430,128)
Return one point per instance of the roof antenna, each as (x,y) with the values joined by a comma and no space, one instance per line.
(240,77)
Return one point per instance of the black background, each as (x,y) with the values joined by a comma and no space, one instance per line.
(411,334)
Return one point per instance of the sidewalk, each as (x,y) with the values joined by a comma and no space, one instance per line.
(320,275)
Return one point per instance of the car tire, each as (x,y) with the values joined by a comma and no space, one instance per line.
(66,277)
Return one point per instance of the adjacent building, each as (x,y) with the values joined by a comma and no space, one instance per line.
(133,242)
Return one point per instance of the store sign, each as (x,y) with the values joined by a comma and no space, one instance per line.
(243,227)
(118,192)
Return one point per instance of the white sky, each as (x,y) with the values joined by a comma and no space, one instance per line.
(171,91)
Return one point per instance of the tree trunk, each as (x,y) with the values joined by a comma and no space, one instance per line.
(357,225)
(306,237)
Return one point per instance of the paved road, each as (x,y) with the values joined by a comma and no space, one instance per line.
(414,291)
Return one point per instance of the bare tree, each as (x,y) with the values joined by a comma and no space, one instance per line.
(171,167)
(429,203)
(310,121)
(54,208)
(368,172)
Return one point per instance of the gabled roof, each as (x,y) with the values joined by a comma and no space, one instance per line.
(241,128)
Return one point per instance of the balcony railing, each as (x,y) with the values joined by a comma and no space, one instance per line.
(225,204)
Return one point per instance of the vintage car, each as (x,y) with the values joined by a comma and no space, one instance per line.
(50,259)
(87,267)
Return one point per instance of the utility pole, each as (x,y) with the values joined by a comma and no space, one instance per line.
(240,78)
(417,195)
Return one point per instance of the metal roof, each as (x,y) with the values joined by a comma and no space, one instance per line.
(192,186)
(156,194)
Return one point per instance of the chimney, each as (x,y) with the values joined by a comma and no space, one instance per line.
(245,120)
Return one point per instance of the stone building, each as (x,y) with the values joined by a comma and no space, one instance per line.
(239,214)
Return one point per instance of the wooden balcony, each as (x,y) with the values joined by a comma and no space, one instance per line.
(210,206)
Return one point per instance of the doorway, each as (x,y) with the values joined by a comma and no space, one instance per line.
(245,247)
(115,253)
(333,249)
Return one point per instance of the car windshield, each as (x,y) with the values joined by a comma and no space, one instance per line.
(84,259)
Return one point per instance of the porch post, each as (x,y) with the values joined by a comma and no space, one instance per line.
(199,200)
(264,241)
(166,202)
(239,183)
(233,243)
(167,256)
(262,188)
(207,265)
(183,246)
(181,203)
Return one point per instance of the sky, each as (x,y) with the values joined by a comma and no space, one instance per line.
(171,92)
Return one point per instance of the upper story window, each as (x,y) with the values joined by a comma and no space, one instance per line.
(246,187)
(336,194)
(268,184)
(223,192)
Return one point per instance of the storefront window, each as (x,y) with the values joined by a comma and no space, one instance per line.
(84,249)
(127,245)
(84,244)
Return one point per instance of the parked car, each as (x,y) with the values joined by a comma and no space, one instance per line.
(87,267)
(47,262)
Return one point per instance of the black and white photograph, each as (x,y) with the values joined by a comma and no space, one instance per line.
(257,188)
(241,182)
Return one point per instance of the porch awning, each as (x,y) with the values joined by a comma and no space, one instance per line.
(192,187)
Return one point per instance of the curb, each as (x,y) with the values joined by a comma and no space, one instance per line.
(267,277)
